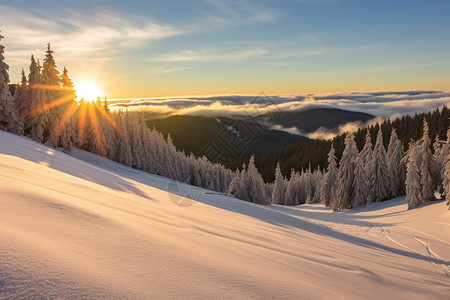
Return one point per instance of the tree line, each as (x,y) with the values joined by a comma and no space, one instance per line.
(44,109)
(300,155)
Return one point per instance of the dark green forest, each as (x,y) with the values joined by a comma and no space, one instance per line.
(300,155)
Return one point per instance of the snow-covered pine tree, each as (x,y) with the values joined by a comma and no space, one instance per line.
(243,190)
(360,190)
(292,189)
(22,100)
(124,155)
(379,171)
(437,147)
(413,185)
(94,132)
(342,199)
(8,117)
(446,181)
(67,125)
(366,156)
(396,169)
(256,186)
(279,189)
(235,184)
(317,181)
(445,158)
(38,115)
(427,165)
(52,81)
(136,139)
(328,184)
(306,183)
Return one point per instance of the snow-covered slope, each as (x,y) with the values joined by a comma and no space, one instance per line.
(85,227)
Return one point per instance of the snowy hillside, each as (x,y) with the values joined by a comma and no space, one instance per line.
(86,227)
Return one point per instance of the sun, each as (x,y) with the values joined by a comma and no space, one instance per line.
(88,90)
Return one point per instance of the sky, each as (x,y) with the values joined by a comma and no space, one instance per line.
(247,47)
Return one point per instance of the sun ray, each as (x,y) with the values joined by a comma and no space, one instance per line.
(109,118)
(82,120)
(50,105)
(69,112)
(97,129)
(49,87)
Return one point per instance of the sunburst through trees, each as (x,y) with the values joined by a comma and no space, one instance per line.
(50,113)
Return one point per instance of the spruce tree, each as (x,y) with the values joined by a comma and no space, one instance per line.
(328,184)
(360,190)
(413,186)
(67,125)
(343,197)
(22,100)
(52,85)
(426,165)
(255,184)
(396,168)
(124,155)
(279,189)
(292,189)
(379,172)
(366,156)
(446,181)
(445,158)
(8,117)
(37,118)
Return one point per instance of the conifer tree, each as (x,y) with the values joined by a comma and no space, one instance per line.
(396,169)
(328,184)
(426,165)
(366,156)
(360,190)
(445,158)
(8,117)
(38,116)
(22,100)
(52,85)
(379,172)
(124,155)
(446,181)
(243,190)
(316,177)
(66,132)
(413,186)
(235,183)
(255,185)
(279,189)
(307,191)
(343,196)
(292,196)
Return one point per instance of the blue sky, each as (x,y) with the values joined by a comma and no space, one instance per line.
(200,47)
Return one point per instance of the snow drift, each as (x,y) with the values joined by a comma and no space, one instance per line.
(82,226)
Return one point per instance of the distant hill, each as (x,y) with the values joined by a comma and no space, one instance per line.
(222,139)
(312,119)
(230,140)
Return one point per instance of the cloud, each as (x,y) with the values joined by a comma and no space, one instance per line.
(231,13)
(382,104)
(164,69)
(76,35)
(326,134)
(208,55)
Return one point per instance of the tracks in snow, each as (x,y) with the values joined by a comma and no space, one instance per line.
(432,256)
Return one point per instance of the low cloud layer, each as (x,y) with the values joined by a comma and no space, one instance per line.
(380,104)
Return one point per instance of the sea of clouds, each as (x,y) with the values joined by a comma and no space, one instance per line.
(383,104)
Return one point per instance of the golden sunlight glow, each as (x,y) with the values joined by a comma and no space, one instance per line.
(88,90)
